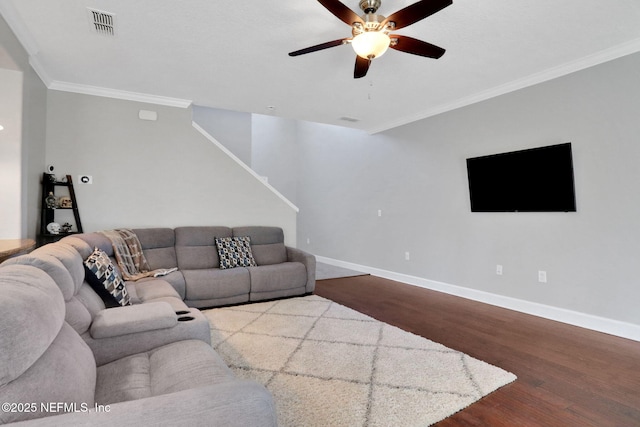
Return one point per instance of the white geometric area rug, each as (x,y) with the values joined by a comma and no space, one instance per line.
(328,365)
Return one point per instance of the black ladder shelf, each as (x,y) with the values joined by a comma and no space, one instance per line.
(48,214)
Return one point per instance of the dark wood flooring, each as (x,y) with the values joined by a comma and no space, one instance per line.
(567,376)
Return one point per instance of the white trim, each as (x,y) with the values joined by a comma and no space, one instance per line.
(588,61)
(40,71)
(11,16)
(118,94)
(584,320)
(24,37)
(244,166)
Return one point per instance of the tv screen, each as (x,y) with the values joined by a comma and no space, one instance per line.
(534,180)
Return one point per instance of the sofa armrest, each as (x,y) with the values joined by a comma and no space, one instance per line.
(236,403)
(133,319)
(194,325)
(309,261)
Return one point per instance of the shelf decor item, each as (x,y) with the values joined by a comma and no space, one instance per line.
(51,201)
(65,202)
(53,228)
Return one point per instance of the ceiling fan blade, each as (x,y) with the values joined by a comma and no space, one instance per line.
(321,46)
(341,11)
(416,12)
(362,66)
(416,47)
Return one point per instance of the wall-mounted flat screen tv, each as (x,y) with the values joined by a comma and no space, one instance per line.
(533,180)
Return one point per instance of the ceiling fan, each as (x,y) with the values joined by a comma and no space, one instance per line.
(372,32)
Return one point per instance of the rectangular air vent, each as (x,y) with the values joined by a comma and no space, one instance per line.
(349,119)
(102,22)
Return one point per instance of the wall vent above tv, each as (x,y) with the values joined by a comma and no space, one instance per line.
(102,22)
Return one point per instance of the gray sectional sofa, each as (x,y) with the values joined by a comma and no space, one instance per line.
(69,360)
(281,271)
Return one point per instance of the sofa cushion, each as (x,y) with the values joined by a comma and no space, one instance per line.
(79,245)
(175,279)
(78,315)
(174,367)
(151,289)
(275,277)
(261,235)
(158,246)
(267,254)
(69,257)
(213,283)
(157,289)
(43,358)
(31,314)
(66,372)
(235,252)
(196,246)
(267,243)
(95,240)
(50,265)
(105,280)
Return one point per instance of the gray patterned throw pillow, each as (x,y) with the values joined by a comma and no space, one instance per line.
(235,252)
(105,280)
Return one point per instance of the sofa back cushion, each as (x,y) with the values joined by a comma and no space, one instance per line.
(78,316)
(196,246)
(31,315)
(71,260)
(158,246)
(61,262)
(94,240)
(267,243)
(80,245)
(43,359)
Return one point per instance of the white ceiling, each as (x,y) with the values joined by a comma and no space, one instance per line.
(233,55)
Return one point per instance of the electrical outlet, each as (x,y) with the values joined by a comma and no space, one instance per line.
(308,241)
(407,256)
(379,212)
(542,276)
(499,270)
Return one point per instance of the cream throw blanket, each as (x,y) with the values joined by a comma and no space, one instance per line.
(128,252)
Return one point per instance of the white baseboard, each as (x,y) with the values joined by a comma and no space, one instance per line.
(584,320)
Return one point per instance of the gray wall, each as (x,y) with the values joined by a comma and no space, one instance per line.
(275,153)
(230,128)
(11,154)
(152,173)
(266,144)
(416,175)
(33,133)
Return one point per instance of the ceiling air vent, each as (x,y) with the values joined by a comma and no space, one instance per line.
(102,22)
(349,119)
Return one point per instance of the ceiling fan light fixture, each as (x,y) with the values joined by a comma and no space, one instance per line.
(371,44)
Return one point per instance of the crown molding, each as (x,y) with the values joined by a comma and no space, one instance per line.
(118,94)
(16,24)
(589,61)
(11,16)
(40,71)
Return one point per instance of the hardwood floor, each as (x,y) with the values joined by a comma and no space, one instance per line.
(567,376)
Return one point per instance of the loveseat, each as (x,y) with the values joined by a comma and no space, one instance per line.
(68,360)
(281,271)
